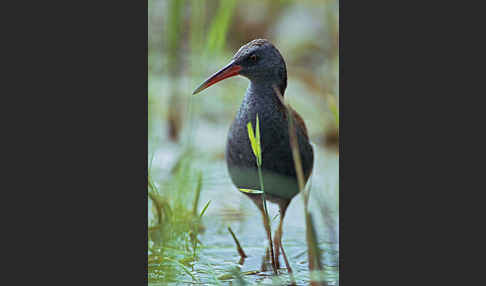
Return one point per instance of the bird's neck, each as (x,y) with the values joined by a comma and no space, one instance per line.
(260,98)
(268,86)
(264,90)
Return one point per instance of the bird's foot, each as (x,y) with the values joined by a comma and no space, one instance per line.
(266,261)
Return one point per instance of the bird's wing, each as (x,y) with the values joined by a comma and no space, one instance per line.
(299,122)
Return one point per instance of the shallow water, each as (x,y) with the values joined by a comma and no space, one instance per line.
(231,208)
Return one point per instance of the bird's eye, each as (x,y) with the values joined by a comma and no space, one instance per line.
(253,58)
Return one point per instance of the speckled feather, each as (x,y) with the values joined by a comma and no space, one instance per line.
(278,168)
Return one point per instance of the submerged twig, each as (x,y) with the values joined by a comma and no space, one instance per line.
(238,246)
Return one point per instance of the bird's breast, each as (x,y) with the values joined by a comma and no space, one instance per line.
(277,162)
(278,169)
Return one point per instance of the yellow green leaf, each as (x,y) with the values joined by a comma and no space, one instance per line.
(259,156)
(251,135)
(251,191)
(255,141)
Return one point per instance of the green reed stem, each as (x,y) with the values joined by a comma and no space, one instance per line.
(267,220)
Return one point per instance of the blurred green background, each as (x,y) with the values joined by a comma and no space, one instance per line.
(191,39)
(188,41)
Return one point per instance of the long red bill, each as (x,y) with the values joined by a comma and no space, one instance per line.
(230,70)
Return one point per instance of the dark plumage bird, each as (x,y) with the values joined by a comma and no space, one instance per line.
(264,66)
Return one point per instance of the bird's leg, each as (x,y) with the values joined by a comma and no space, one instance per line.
(266,223)
(287,264)
(278,236)
(276,243)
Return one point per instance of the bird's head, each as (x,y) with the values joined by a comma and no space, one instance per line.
(259,61)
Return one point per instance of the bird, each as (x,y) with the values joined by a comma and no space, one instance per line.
(263,65)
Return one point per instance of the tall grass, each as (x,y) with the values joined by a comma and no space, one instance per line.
(173,233)
(174,41)
(202,44)
(219,26)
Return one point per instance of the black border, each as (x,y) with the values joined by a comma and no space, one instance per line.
(80,215)
(80,135)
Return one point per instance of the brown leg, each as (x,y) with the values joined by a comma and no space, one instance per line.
(266,223)
(287,264)
(278,236)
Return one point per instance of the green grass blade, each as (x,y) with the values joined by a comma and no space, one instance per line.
(220,24)
(255,141)
(198,193)
(204,209)
(259,150)
(251,135)
(333,107)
